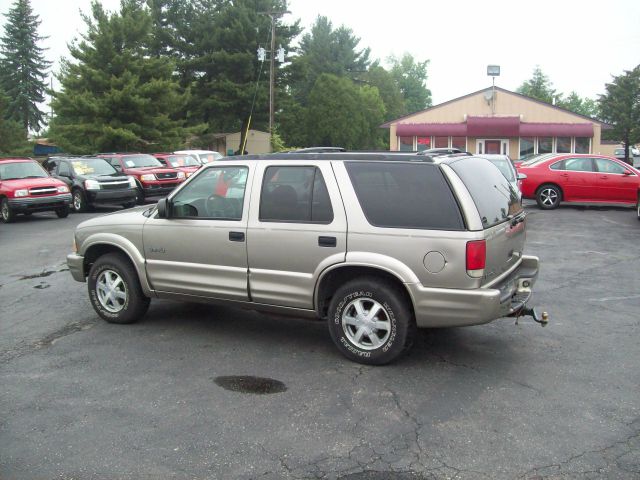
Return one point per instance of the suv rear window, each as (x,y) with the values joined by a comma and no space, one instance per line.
(493,195)
(405,195)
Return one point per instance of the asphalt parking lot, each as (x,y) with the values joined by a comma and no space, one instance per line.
(83,399)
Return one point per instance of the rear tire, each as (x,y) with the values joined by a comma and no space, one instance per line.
(370,321)
(139,196)
(115,291)
(7,215)
(548,196)
(63,212)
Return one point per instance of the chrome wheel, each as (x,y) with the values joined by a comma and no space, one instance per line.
(77,201)
(112,291)
(5,211)
(549,197)
(366,323)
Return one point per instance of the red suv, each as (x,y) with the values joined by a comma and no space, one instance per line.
(152,178)
(26,187)
(181,162)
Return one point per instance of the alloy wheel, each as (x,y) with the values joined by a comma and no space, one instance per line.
(549,197)
(112,291)
(366,323)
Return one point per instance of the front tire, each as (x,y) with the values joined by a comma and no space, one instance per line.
(63,212)
(370,321)
(548,197)
(79,201)
(139,196)
(7,215)
(115,291)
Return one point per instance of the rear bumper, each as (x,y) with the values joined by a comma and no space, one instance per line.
(39,204)
(111,196)
(440,307)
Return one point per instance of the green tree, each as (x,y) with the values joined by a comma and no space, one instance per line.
(539,87)
(343,114)
(115,94)
(411,78)
(23,68)
(620,106)
(575,103)
(389,91)
(12,135)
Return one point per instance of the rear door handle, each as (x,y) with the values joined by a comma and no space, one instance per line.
(327,241)
(236,236)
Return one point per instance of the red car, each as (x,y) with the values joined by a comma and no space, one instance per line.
(26,187)
(581,178)
(153,179)
(181,162)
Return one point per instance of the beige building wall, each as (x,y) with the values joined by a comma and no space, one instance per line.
(257,142)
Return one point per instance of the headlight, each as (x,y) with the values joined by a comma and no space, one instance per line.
(180,174)
(132,182)
(148,177)
(91,185)
(63,189)
(21,193)
(189,174)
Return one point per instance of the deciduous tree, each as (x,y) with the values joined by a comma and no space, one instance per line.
(539,87)
(411,78)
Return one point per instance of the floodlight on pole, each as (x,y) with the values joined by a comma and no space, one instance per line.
(493,71)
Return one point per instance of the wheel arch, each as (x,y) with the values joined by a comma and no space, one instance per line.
(334,278)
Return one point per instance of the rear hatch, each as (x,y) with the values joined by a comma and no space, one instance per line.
(500,211)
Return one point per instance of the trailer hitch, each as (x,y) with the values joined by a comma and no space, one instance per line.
(542,319)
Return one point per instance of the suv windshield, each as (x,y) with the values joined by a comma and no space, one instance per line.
(493,195)
(182,161)
(16,170)
(136,161)
(91,167)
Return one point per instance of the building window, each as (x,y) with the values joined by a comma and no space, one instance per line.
(582,144)
(563,144)
(441,142)
(424,143)
(527,145)
(406,144)
(545,144)
(459,142)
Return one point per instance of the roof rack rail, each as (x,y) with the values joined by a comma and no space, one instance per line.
(347,155)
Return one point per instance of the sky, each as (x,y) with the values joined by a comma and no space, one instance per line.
(579,45)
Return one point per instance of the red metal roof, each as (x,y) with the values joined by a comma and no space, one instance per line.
(556,129)
(436,129)
(493,126)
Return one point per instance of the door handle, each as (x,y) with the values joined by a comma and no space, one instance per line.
(236,236)
(327,241)
(564,174)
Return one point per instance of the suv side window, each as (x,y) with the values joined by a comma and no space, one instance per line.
(404,195)
(215,194)
(295,194)
(64,170)
(607,166)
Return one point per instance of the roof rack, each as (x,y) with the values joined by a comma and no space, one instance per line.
(354,155)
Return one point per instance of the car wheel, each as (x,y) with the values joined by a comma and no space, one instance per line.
(115,291)
(129,205)
(370,321)
(79,201)
(63,212)
(548,197)
(139,196)
(6,213)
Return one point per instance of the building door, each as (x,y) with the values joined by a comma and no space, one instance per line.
(492,147)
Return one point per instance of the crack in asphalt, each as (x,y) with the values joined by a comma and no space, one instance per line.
(25,348)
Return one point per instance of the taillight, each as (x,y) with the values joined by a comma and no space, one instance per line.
(476,258)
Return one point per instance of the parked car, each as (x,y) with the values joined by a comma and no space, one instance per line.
(93,181)
(505,165)
(430,243)
(205,156)
(26,187)
(580,178)
(152,178)
(189,164)
(440,151)
(531,159)
(634,155)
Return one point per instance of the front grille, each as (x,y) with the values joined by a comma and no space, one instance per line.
(163,186)
(114,185)
(166,176)
(42,191)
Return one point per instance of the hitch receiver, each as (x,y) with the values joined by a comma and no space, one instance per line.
(542,319)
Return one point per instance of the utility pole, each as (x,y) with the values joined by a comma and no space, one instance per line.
(272,60)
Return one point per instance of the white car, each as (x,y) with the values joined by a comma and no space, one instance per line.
(505,165)
(204,156)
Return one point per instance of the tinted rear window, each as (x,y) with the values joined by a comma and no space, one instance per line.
(493,195)
(404,195)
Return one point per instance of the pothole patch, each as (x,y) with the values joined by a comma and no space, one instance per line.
(250,384)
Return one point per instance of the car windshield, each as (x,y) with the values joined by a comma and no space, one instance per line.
(182,161)
(15,170)
(92,167)
(136,161)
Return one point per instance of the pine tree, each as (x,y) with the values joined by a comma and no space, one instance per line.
(117,95)
(23,68)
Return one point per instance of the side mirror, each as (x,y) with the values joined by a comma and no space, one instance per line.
(627,173)
(521,176)
(164,208)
